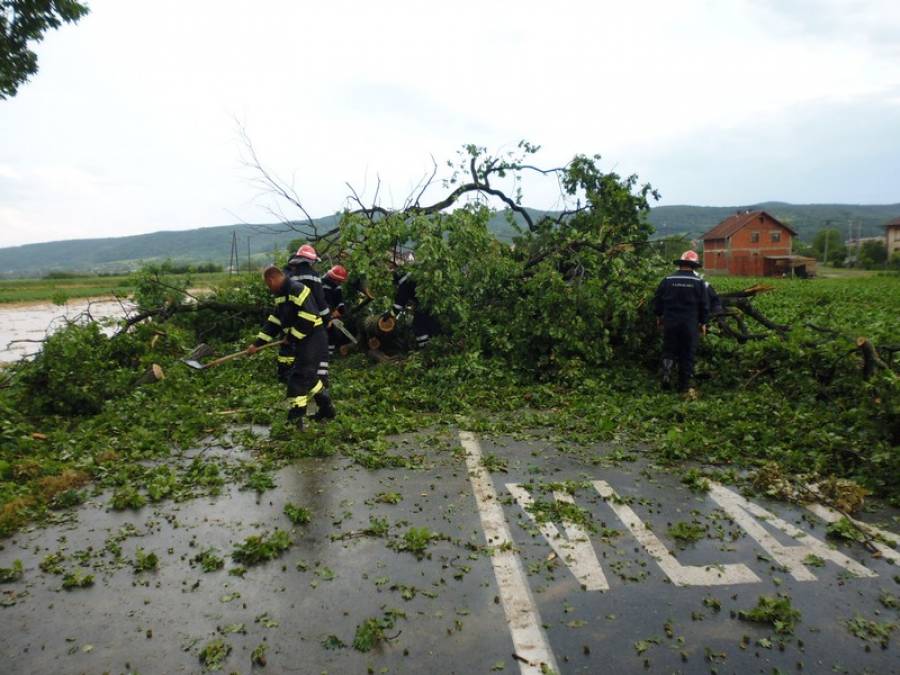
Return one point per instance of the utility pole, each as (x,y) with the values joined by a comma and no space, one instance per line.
(850,244)
(248,253)
(233,262)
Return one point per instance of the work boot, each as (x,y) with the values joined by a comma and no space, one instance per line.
(667,366)
(295,418)
(325,408)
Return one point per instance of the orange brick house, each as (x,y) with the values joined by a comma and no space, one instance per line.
(753,243)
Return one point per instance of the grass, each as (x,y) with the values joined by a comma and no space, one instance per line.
(415,541)
(77,579)
(372,632)
(257,549)
(49,290)
(214,653)
(209,560)
(144,562)
(774,610)
(10,574)
(687,532)
(868,630)
(298,515)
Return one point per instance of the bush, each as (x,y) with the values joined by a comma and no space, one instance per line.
(77,371)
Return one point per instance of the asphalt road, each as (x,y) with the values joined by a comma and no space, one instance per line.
(557,558)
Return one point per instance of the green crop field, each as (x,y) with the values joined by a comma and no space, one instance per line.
(71,288)
(864,305)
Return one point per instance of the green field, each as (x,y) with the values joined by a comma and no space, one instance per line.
(50,290)
(859,304)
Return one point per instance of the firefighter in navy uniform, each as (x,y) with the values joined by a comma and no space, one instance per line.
(296,316)
(425,325)
(681,305)
(300,268)
(334,296)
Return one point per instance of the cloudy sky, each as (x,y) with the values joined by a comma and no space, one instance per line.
(131,125)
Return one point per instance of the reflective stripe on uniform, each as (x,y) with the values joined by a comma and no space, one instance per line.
(285,359)
(299,401)
(398,307)
(280,299)
(316,389)
(297,334)
(308,277)
(404,279)
(308,316)
(300,299)
(274,319)
(263,336)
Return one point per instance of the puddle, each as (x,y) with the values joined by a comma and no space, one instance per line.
(33,322)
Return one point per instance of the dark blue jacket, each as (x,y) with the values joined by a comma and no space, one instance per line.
(405,291)
(300,269)
(682,297)
(295,316)
(334,295)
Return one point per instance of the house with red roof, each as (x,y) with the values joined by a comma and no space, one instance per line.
(754,244)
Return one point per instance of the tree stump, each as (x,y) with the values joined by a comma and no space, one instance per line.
(153,374)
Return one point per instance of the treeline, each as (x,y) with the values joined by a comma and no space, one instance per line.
(806,219)
(829,247)
(166,267)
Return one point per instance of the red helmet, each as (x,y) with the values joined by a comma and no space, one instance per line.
(689,258)
(338,273)
(308,252)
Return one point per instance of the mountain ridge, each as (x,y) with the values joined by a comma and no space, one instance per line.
(213,244)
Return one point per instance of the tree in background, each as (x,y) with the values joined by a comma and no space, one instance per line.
(829,248)
(24,21)
(872,254)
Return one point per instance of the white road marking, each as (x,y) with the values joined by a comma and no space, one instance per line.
(829,515)
(742,511)
(574,548)
(680,575)
(529,639)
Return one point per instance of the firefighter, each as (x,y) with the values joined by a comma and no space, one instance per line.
(681,305)
(297,318)
(424,324)
(334,296)
(300,268)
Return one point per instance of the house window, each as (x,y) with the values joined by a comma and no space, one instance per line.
(776,235)
(754,237)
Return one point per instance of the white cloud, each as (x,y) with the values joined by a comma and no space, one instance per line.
(129,126)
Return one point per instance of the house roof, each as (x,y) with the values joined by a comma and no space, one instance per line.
(893,223)
(734,223)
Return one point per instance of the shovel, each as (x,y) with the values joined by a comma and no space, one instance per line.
(196,365)
(337,323)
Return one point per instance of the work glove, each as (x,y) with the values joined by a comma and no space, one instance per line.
(252,349)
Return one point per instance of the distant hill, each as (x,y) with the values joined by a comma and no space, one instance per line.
(807,219)
(214,243)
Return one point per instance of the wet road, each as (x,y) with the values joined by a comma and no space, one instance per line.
(591,589)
